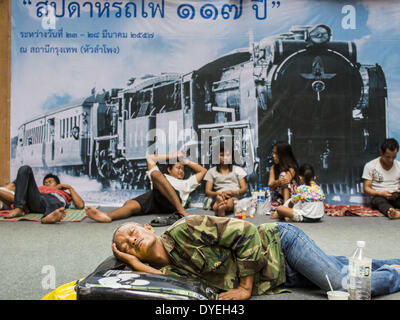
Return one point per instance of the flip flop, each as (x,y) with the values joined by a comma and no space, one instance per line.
(166,220)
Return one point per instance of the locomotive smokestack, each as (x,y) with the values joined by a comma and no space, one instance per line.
(251,39)
(251,44)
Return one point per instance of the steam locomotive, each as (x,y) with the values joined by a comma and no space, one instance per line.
(300,87)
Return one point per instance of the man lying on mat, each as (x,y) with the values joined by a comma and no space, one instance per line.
(51,199)
(169,195)
(240,259)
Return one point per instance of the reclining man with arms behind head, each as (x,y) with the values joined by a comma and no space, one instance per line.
(235,256)
(169,194)
(51,199)
(381,180)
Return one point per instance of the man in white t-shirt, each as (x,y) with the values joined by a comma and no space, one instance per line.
(169,194)
(381,178)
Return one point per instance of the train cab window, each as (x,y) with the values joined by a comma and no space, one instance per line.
(167,97)
(63,129)
(186,94)
(145,102)
(51,130)
(131,104)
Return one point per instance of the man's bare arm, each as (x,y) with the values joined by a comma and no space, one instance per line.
(76,198)
(200,170)
(367,184)
(6,197)
(243,292)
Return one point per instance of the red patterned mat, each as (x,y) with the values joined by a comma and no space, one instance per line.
(351,211)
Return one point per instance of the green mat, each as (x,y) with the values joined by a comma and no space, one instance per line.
(72,215)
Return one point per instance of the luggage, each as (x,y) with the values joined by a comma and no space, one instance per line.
(126,284)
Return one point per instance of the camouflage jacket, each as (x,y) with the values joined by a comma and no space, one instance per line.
(222,250)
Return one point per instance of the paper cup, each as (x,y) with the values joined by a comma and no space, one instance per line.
(338,295)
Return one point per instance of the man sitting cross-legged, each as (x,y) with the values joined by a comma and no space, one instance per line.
(169,194)
(382,180)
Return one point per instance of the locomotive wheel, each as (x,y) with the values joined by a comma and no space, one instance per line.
(104,164)
(127,175)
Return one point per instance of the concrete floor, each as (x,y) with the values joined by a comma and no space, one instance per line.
(75,249)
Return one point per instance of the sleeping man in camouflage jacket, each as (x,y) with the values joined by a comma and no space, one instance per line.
(239,259)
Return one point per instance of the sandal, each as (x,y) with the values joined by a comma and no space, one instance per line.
(166,220)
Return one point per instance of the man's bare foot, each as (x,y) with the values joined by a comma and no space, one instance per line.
(97,215)
(17,212)
(55,216)
(393,214)
(274,215)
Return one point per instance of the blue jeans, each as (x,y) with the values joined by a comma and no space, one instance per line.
(306,265)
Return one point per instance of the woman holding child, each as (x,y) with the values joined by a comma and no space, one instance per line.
(306,203)
(283,174)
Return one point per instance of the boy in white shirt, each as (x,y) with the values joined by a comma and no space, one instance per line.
(381,180)
(169,193)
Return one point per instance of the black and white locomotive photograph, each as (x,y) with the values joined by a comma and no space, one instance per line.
(305,85)
(228,149)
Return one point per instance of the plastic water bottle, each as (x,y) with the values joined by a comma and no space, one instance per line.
(237,210)
(360,269)
(260,201)
(253,205)
(267,201)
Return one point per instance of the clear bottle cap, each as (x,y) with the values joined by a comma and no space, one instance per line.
(361,244)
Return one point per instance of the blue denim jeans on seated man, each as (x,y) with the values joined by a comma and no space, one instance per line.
(306,265)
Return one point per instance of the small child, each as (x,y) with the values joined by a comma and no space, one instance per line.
(225,183)
(306,204)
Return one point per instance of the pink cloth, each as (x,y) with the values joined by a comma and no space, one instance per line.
(351,210)
(46,190)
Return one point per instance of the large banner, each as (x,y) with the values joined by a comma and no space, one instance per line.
(97,85)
